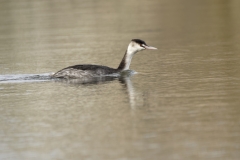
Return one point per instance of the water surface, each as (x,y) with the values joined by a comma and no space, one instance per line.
(183,103)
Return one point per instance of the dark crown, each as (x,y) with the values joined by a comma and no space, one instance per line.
(139,41)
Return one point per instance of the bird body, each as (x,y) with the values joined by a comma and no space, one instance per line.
(89,70)
(86,71)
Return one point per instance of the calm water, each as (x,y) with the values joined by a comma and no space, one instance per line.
(183,103)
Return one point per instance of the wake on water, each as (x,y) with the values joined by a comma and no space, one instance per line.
(23,78)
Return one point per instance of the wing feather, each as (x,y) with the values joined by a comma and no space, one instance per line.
(84,71)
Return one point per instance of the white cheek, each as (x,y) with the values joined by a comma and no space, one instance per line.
(133,48)
(144,46)
(141,48)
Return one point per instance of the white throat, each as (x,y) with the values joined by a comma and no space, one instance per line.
(126,61)
(129,55)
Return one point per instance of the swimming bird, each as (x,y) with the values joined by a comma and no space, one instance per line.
(89,70)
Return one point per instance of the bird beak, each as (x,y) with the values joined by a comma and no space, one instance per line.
(150,47)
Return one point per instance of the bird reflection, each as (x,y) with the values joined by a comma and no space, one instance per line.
(97,80)
(130,90)
(124,78)
(93,80)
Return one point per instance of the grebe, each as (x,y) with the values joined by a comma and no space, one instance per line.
(89,70)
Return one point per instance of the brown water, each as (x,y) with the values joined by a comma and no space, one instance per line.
(183,104)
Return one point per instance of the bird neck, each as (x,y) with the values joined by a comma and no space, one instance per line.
(127,58)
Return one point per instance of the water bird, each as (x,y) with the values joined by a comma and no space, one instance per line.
(89,70)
